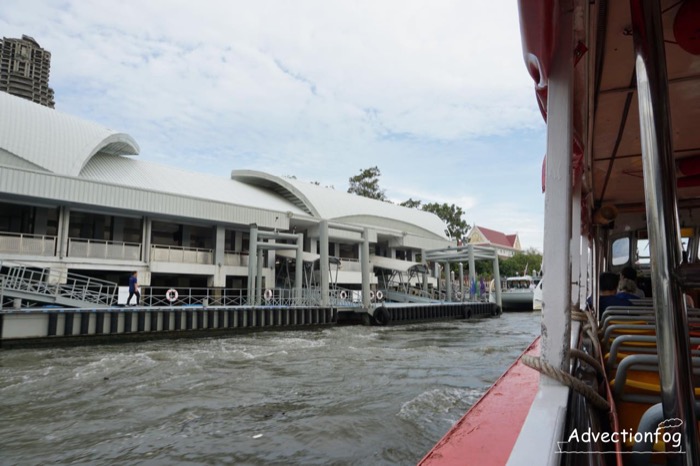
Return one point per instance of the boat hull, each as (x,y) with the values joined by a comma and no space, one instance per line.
(517,300)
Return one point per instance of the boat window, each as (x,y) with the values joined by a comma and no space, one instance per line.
(621,251)
(643,257)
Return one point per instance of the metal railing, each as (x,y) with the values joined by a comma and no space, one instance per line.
(93,248)
(160,253)
(188,296)
(55,285)
(207,297)
(22,243)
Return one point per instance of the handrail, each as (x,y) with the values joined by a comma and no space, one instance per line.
(96,248)
(28,244)
(181,254)
(57,284)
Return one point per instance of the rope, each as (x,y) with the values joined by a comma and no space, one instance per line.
(566,379)
(590,360)
(591,327)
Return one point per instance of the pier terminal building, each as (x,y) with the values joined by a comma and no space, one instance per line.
(75,197)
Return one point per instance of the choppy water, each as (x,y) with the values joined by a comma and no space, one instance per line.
(341,396)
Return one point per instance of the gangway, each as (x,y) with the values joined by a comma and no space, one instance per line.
(50,286)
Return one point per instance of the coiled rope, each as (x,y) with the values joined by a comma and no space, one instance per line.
(591,329)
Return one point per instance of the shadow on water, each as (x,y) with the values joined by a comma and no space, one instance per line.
(342,395)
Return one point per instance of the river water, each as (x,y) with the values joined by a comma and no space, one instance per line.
(333,396)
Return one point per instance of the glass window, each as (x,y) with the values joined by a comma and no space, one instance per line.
(620,251)
(643,255)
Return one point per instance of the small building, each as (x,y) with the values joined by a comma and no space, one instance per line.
(506,245)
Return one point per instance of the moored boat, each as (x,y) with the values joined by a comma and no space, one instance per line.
(518,293)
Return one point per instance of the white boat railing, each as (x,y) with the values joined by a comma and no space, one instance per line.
(26,244)
(100,249)
(160,253)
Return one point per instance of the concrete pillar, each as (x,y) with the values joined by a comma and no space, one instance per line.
(472,266)
(299,272)
(271,256)
(425,275)
(497,281)
(448,282)
(324,266)
(220,245)
(252,263)
(147,231)
(461,281)
(219,279)
(365,268)
(392,253)
(259,279)
(63,228)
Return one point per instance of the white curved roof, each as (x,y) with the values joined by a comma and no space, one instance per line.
(330,204)
(54,141)
(162,178)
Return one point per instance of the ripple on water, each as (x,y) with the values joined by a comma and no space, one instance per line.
(341,395)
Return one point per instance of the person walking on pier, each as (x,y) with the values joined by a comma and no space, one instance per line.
(134,288)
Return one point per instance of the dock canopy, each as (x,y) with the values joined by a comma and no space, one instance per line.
(391,264)
(291,254)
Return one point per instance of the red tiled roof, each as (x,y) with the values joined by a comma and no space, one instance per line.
(496,237)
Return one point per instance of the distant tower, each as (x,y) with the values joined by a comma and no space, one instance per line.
(24,70)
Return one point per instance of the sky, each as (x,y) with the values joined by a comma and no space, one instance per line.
(434,93)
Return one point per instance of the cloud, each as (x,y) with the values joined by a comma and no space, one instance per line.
(435,93)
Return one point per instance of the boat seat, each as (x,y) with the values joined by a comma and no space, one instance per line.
(626,345)
(649,423)
(636,386)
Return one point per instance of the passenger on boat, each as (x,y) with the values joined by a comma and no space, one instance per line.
(609,295)
(628,282)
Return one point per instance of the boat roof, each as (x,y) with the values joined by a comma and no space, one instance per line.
(607,144)
(521,277)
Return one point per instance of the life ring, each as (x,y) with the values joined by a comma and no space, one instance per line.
(268,294)
(382,316)
(171,295)
(371,295)
(380,295)
(343,295)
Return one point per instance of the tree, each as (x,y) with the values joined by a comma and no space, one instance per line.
(411,204)
(457,227)
(366,184)
(530,259)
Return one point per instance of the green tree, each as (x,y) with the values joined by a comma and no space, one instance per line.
(366,184)
(531,258)
(452,215)
(411,204)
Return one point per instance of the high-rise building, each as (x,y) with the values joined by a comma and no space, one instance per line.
(24,70)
